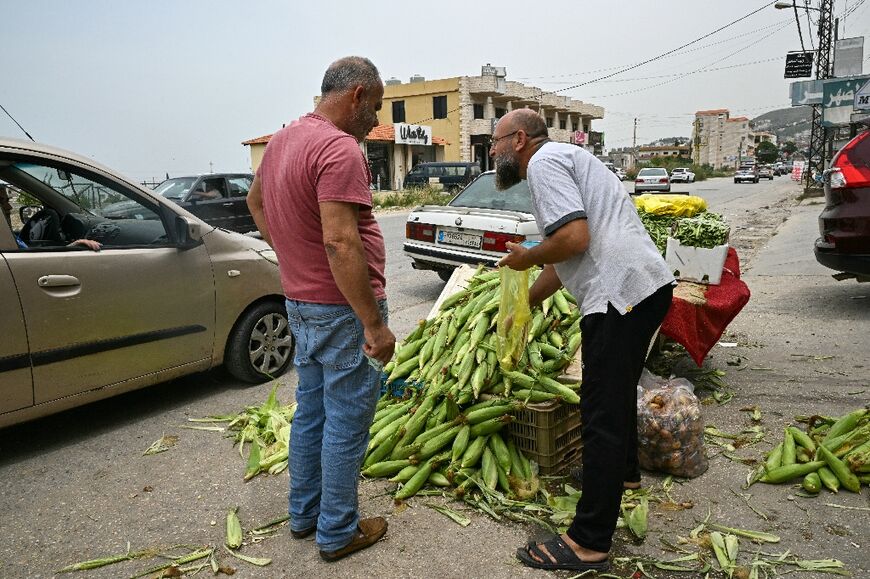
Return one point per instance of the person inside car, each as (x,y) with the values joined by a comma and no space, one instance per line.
(6,209)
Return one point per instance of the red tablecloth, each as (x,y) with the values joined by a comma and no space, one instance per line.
(699,315)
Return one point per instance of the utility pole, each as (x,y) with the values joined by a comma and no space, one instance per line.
(818,133)
(634,144)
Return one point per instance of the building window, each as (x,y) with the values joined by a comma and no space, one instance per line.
(478,111)
(550,122)
(563,124)
(499,113)
(398,111)
(439,107)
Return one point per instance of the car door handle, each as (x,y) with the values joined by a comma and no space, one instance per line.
(227,204)
(58,281)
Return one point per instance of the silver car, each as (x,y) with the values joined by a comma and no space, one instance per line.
(652,179)
(472,228)
(162,298)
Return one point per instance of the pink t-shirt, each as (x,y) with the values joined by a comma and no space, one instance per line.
(305,163)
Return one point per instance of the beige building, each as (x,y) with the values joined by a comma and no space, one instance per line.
(452,119)
(719,140)
(648,152)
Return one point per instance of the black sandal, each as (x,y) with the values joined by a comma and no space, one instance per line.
(561,557)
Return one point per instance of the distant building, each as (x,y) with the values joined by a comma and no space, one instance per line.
(648,152)
(452,119)
(623,158)
(719,140)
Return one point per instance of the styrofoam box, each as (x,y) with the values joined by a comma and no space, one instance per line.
(696,264)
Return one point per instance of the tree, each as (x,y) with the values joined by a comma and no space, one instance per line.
(789,148)
(766,152)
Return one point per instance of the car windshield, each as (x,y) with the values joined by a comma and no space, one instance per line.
(175,188)
(482,194)
(652,173)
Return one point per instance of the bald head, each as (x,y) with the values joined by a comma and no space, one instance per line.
(525,120)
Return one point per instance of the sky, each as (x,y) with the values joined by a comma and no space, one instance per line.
(174,86)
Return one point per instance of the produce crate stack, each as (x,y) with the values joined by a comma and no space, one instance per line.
(549,434)
(447,428)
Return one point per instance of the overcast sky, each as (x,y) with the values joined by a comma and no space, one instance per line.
(175,86)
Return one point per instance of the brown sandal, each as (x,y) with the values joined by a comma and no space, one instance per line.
(368,533)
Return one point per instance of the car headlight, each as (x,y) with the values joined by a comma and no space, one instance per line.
(269,255)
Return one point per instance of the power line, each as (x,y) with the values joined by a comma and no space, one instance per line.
(632,67)
(709,34)
(705,46)
(17,123)
(702,69)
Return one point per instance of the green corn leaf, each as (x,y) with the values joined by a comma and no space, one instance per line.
(456,517)
(258,561)
(755,536)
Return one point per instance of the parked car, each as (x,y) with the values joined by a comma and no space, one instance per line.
(765,172)
(682,175)
(472,228)
(844,223)
(746,175)
(219,199)
(164,297)
(452,176)
(652,179)
(620,172)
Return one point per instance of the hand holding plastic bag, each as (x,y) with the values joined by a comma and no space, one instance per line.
(513,316)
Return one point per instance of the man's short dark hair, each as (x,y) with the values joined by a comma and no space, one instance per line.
(349,72)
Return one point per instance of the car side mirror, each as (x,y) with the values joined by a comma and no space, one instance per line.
(187,232)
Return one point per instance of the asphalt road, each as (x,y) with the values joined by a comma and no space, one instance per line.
(75,486)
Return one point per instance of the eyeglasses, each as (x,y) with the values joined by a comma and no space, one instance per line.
(497,139)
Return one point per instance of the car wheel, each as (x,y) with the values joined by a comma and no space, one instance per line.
(260,346)
(736,181)
(445,274)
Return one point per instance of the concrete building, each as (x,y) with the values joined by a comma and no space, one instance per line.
(464,111)
(452,119)
(648,152)
(624,158)
(719,140)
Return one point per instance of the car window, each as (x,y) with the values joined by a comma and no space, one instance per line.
(482,194)
(239,186)
(175,189)
(75,205)
(652,172)
(209,188)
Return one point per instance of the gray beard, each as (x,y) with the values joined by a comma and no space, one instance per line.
(507,173)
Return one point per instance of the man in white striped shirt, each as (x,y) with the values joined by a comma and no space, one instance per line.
(595,245)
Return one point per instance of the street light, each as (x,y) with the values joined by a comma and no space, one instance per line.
(784,5)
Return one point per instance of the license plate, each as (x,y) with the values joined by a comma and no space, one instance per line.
(458,238)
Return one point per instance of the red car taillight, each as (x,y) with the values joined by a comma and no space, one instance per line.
(420,231)
(850,167)
(665,180)
(638,180)
(493,241)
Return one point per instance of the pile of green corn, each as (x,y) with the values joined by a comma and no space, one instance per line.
(833,453)
(447,427)
(706,229)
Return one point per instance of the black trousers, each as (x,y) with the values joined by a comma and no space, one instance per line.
(614,350)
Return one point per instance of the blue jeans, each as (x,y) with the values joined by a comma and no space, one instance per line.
(336,397)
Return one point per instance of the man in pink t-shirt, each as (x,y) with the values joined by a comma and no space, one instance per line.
(312,203)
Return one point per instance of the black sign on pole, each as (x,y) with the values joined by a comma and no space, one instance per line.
(799,64)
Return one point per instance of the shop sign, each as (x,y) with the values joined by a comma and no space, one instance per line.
(579,138)
(412,134)
(838,101)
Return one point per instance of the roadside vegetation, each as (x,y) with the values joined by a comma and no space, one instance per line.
(407,198)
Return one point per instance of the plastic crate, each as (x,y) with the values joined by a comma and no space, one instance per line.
(549,434)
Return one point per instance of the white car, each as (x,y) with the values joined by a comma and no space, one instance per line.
(621,174)
(652,179)
(472,228)
(682,175)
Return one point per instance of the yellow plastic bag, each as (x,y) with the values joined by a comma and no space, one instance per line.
(673,205)
(513,316)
